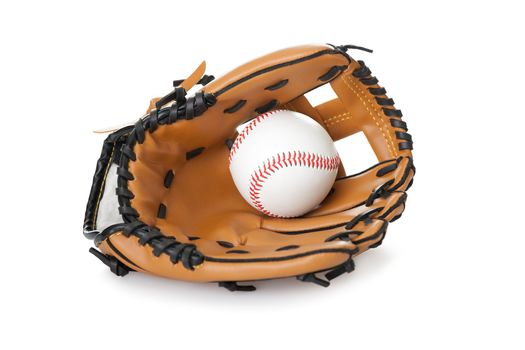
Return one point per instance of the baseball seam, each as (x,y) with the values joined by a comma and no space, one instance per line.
(284,160)
(247,130)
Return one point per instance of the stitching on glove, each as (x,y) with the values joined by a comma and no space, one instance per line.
(335,119)
(338,121)
(379,93)
(282,160)
(336,116)
(390,142)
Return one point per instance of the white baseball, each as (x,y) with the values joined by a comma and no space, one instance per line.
(283,163)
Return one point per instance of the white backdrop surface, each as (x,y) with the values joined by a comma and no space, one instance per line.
(450,273)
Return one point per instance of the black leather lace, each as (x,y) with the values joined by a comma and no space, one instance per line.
(182,107)
(387,105)
(185,253)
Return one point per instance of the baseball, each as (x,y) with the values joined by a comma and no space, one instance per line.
(283,163)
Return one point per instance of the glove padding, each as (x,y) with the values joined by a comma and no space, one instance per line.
(183,217)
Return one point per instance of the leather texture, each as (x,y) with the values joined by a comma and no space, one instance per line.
(201,206)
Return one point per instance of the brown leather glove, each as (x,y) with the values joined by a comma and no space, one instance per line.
(179,213)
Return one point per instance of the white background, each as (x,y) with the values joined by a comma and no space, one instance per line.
(450,273)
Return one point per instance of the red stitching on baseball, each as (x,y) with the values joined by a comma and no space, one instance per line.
(246,131)
(271,165)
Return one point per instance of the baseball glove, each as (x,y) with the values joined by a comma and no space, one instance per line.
(163,201)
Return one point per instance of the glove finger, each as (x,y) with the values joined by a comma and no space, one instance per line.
(258,254)
(356,223)
(223,262)
(372,188)
(392,207)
